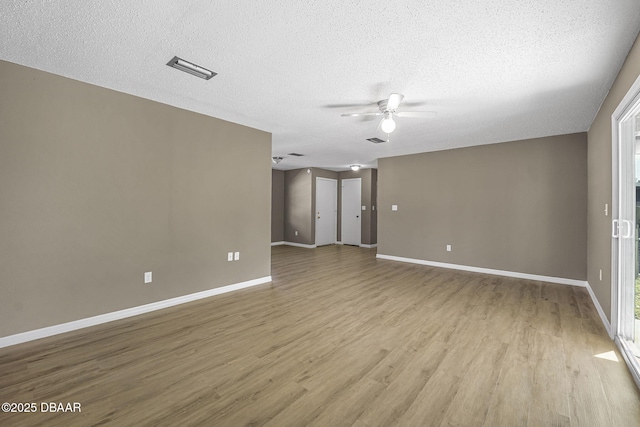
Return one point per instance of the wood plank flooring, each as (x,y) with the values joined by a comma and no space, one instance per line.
(338,339)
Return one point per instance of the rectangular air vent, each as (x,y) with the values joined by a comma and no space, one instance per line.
(296,154)
(376,140)
(191,68)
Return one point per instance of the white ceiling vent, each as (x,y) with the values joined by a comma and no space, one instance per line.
(191,68)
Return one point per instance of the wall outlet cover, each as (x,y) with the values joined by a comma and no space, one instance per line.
(394,207)
(229,256)
(148,277)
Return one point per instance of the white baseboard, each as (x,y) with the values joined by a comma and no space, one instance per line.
(277,243)
(299,245)
(603,317)
(375,245)
(122,314)
(517,275)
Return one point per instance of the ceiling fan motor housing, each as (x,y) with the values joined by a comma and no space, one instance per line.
(382,105)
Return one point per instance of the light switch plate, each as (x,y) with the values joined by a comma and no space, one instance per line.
(236,256)
(148,277)
(229,256)
(364,208)
(394,207)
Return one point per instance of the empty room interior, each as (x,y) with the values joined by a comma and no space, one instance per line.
(335,214)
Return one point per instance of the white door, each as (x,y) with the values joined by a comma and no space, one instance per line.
(351,211)
(326,211)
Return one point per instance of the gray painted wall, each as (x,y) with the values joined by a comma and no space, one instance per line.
(97,187)
(374,206)
(277,205)
(300,203)
(297,207)
(515,206)
(600,181)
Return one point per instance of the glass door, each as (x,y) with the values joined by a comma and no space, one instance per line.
(625,232)
(634,288)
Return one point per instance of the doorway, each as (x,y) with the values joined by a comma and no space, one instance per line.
(625,226)
(326,211)
(351,211)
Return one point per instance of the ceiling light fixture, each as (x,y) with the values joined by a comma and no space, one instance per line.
(387,124)
(193,69)
(355,168)
(277,160)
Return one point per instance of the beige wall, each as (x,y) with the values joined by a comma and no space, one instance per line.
(297,207)
(515,206)
(277,205)
(600,181)
(97,187)
(374,204)
(300,203)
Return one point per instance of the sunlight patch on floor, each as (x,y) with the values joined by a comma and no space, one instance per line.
(609,355)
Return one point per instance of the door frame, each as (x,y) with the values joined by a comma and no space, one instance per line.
(335,213)
(623,246)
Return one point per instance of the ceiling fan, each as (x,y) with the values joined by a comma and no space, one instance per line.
(388,109)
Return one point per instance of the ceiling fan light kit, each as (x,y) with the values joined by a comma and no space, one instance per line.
(387,124)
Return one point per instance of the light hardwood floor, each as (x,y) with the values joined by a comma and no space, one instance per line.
(339,338)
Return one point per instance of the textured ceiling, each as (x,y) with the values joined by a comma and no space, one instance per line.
(494,71)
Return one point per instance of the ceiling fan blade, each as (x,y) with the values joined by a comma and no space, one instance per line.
(394,101)
(360,114)
(379,127)
(425,114)
(352,106)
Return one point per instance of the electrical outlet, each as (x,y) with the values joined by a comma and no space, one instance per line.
(448,248)
(236,256)
(229,256)
(148,277)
